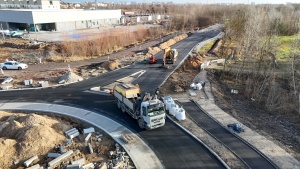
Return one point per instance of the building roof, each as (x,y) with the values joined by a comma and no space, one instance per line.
(37,16)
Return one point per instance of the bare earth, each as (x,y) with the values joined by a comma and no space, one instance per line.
(23,136)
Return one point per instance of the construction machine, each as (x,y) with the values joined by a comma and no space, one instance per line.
(147,110)
(152,59)
(170,56)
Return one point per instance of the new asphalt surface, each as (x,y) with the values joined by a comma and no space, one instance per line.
(174,147)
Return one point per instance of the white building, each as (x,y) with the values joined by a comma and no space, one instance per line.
(57,19)
(30,4)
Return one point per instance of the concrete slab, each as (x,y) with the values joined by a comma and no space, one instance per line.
(53,155)
(89,130)
(37,166)
(80,162)
(73,166)
(30,160)
(59,159)
(86,139)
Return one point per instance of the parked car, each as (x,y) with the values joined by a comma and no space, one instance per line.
(17,33)
(13,65)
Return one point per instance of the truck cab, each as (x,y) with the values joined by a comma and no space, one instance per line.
(152,114)
(148,110)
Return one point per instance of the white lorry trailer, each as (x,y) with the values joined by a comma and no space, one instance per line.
(148,111)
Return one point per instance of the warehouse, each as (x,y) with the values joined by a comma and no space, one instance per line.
(57,19)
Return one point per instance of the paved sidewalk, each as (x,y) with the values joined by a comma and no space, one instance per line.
(275,153)
(140,153)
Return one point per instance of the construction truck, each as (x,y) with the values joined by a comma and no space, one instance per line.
(147,110)
(170,56)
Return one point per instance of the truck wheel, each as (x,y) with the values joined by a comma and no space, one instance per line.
(119,103)
(123,107)
(141,123)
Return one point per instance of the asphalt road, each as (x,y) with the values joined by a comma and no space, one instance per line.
(174,147)
(252,158)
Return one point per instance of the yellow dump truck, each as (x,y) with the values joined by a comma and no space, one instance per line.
(170,55)
(147,110)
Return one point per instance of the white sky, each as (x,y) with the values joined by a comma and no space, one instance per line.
(237,1)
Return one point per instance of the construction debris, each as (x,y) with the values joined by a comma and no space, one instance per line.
(118,159)
(72,133)
(29,161)
(37,166)
(7,80)
(53,155)
(57,160)
(88,130)
(80,162)
(87,137)
(89,166)
(50,146)
(237,127)
(73,166)
(90,148)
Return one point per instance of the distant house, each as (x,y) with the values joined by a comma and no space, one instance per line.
(77,5)
(102,5)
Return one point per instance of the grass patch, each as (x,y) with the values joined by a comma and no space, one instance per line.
(286,47)
(206,47)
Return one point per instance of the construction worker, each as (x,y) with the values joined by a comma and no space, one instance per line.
(145,59)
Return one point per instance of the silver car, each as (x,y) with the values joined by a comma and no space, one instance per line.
(13,65)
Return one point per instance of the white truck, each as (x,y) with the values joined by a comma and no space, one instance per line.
(148,111)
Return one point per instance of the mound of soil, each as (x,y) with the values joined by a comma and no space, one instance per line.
(25,135)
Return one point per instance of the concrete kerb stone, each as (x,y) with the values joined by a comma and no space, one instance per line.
(196,138)
(135,150)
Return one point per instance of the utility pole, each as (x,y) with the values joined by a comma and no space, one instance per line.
(2,31)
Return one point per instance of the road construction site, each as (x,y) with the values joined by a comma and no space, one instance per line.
(178,88)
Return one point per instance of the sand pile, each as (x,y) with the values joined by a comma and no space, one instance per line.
(195,62)
(172,41)
(111,65)
(69,77)
(25,135)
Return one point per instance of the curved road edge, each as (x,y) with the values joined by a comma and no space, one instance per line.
(196,138)
(140,153)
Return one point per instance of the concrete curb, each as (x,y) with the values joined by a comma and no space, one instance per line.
(140,153)
(196,138)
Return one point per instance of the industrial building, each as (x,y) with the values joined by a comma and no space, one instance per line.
(57,19)
(30,4)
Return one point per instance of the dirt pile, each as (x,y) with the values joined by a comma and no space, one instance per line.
(69,77)
(170,42)
(181,79)
(25,135)
(111,64)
